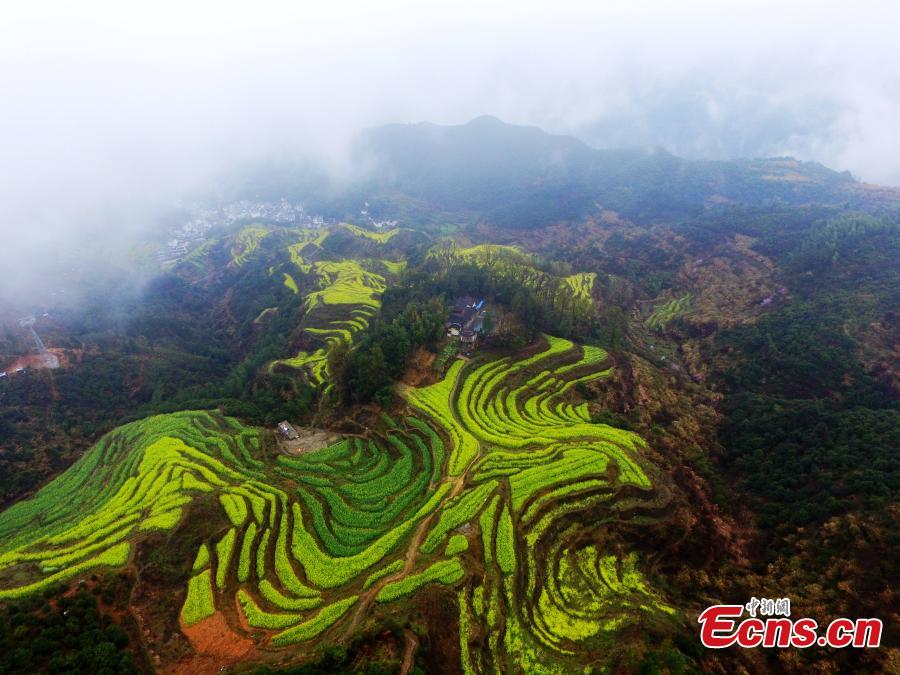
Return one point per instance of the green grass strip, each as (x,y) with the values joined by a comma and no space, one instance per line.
(259,618)
(202,559)
(446,572)
(223,557)
(385,571)
(246,553)
(321,622)
(198,604)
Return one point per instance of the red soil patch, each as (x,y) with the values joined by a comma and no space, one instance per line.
(54,357)
(216,646)
(33,361)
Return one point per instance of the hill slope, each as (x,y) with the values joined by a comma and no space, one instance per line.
(523,177)
(312,544)
(682,401)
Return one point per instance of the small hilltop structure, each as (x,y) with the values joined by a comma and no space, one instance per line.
(465,321)
(46,358)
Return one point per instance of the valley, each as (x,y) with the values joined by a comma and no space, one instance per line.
(538,444)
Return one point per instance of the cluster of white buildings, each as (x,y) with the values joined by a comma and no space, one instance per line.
(364,212)
(203,217)
(282,211)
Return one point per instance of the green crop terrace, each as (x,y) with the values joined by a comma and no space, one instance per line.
(340,296)
(472,488)
(575,292)
(666,312)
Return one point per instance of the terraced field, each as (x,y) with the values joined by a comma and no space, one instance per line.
(582,284)
(246,242)
(345,295)
(575,292)
(379,237)
(666,312)
(340,273)
(476,488)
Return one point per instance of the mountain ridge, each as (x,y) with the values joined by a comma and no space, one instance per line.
(470,166)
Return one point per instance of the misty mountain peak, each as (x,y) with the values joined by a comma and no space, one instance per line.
(486,121)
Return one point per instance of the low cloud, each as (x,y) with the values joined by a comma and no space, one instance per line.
(110,113)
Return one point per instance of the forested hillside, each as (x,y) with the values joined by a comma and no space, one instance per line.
(679,388)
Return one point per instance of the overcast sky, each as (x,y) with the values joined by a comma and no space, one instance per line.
(111,108)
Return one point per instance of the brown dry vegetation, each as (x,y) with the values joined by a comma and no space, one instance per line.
(419,372)
(679,420)
(881,349)
(729,285)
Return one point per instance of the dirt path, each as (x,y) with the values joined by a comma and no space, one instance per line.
(366,599)
(412,644)
(457,482)
(226,306)
(309,439)
(139,381)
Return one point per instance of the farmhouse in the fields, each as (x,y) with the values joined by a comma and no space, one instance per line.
(287,430)
(464,322)
(467,338)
